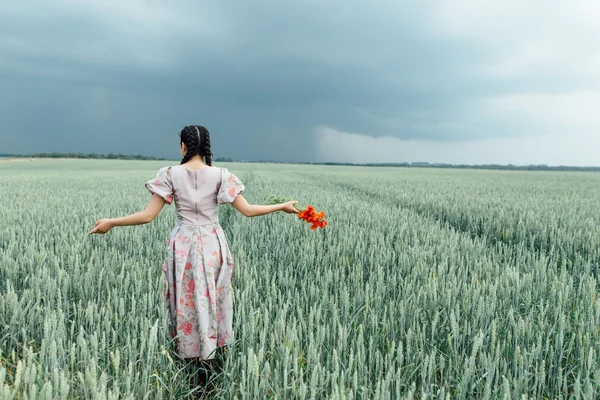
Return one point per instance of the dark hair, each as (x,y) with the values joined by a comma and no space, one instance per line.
(197,140)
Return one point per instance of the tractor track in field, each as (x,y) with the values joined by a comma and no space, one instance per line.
(429,212)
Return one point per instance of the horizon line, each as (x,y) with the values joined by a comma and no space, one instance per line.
(140,157)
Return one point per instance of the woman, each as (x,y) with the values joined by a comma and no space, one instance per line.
(198,264)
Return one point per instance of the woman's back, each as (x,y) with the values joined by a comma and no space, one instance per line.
(198,264)
(197,193)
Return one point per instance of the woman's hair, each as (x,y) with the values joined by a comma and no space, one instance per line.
(197,141)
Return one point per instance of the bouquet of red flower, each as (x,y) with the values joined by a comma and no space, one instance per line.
(317,219)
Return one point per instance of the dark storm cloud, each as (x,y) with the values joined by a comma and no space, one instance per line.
(106,76)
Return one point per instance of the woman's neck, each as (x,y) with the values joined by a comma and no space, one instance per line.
(195,163)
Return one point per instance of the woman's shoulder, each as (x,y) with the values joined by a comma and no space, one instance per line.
(162,171)
(223,170)
(166,168)
(215,169)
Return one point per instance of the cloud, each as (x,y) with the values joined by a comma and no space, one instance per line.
(123,77)
(536,38)
(575,150)
(563,113)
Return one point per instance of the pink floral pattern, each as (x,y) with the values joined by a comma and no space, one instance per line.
(161,185)
(198,265)
(231,186)
(186,328)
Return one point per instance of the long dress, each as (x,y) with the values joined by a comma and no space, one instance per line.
(198,264)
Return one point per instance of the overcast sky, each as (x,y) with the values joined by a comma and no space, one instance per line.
(462,81)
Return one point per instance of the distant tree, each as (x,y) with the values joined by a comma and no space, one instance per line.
(110,156)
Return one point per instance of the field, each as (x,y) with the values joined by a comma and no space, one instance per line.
(427,283)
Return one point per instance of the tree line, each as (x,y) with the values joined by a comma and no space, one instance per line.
(509,167)
(109,156)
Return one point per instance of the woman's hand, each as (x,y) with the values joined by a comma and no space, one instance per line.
(288,207)
(102,226)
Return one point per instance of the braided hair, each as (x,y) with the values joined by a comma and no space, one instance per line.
(197,142)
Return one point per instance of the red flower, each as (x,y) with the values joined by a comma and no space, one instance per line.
(316,219)
(188,265)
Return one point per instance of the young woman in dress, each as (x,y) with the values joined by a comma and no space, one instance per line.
(198,264)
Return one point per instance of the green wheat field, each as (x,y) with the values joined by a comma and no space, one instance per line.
(427,283)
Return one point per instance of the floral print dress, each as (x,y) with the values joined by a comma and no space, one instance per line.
(198,264)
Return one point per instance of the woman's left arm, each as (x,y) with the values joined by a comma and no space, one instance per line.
(143,217)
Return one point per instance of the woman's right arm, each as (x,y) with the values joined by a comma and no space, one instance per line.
(255,210)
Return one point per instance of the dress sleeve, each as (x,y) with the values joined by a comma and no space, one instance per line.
(162,185)
(230,187)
